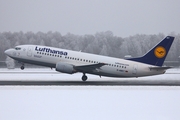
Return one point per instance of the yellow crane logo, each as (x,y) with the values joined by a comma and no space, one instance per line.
(160,52)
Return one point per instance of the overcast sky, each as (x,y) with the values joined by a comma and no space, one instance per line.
(122,17)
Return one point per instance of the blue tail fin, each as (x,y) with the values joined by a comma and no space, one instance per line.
(157,54)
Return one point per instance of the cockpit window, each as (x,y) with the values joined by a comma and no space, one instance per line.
(17,48)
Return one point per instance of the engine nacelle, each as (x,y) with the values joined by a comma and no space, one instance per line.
(65,68)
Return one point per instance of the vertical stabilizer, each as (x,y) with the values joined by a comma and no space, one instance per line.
(157,54)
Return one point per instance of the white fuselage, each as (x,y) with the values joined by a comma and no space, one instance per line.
(49,56)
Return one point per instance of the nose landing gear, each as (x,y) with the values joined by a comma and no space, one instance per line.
(22,67)
(84,77)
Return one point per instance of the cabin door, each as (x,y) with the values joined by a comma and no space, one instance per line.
(29,52)
(135,68)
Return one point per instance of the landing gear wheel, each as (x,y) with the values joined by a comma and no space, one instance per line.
(22,67)
(84,77)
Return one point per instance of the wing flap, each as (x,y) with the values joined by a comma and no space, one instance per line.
(89,68)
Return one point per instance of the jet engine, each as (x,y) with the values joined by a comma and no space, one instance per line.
(65,68)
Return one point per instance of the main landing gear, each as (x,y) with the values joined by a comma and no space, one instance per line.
(84,77)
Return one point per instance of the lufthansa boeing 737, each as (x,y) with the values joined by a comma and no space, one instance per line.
(67,61)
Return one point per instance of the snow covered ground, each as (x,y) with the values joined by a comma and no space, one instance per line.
(87,102)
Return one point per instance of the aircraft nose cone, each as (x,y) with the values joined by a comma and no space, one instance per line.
(7,52)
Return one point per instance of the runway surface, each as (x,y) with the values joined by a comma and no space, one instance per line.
(46,77)
(91,83)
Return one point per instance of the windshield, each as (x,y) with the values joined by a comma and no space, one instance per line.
(17,48)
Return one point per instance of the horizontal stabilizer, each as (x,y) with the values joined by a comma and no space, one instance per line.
(159,68)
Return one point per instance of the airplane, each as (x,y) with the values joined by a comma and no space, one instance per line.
(70,62)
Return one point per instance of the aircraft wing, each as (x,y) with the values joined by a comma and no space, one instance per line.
(159,68)
(89,68)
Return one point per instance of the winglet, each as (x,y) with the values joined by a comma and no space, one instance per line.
(157,54)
